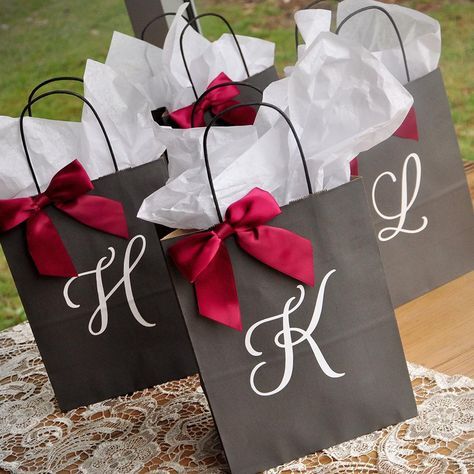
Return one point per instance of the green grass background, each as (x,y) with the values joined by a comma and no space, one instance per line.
(44,38)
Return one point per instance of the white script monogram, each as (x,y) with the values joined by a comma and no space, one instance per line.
(283,339)
(388,233)
(102,265)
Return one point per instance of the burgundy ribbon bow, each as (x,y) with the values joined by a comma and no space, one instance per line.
(216,101)
(408,129)
(67,192)
(203,258)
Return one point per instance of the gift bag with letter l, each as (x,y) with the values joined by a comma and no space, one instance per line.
(415,180)
(288,313)
(93,278)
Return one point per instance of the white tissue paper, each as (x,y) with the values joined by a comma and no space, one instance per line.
(160,75)
(114,95)
(222,56)
(184,146)
(126,116)
(176,201)
(310,23)
(141,63)
(52,144)
(340,99)
(421,36)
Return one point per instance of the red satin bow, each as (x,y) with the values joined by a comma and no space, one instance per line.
(216,101)
(67,192)
(203,258)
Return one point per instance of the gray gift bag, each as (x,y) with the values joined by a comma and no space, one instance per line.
(260,80)
(250,88)
(419,198)
(313,366)
(116,327)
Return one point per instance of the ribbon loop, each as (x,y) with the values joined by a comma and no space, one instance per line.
(204,260)
(217,100)
(255,208)
(67,192)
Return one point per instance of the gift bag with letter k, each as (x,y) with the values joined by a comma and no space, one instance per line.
(291,322)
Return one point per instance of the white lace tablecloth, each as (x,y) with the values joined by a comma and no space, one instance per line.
(169,429)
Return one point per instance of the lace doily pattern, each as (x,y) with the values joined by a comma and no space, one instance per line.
(169,429)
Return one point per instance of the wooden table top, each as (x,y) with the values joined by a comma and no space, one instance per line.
(437,329)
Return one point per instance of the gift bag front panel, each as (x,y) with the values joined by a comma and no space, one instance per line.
(278,394)
(117,327)
(420,200)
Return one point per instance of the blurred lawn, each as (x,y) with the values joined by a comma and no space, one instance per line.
(44,38)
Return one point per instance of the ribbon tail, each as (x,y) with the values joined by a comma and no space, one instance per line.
(240,116)
(281,249)
(354,164)
(100,213)
(46,247)
(216,291)
(409,128)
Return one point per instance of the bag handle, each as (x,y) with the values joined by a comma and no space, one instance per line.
(217,86)
(181,47)
(250,104)
(307,7)
(392,21)
(61,92)
(48,81)
(156,18)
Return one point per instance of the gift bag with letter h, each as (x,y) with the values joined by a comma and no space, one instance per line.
(93,279)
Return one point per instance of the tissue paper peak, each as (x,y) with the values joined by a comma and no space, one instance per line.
(420,34)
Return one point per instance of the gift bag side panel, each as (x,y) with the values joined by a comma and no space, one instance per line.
(261,81)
